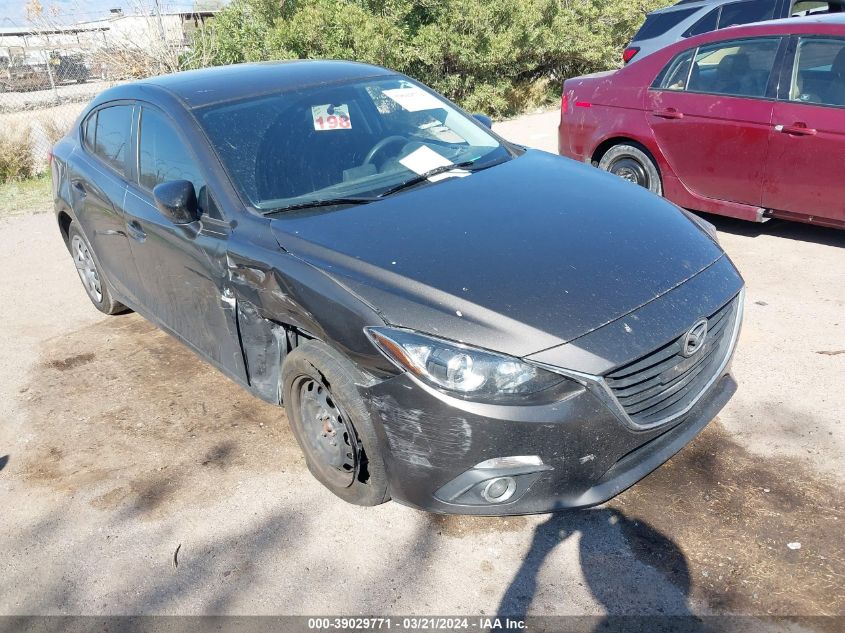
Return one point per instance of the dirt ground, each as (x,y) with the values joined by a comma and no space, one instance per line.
(134,478)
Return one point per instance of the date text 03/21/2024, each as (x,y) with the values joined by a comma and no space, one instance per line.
(417,623)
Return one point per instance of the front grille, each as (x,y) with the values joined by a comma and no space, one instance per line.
(665,382)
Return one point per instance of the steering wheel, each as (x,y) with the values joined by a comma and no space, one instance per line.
(375,149)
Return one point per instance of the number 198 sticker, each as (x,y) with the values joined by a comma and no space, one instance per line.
(331,117)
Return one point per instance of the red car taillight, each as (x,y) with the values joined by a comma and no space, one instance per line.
(629,53)
(564,103)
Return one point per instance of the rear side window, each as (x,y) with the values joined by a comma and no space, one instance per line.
(746,12)
(657,24)
(89,128)
(705,25)
(111,135)
(739,68)
(818,75)
(676,73)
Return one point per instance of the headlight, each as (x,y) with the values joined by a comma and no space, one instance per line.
(464,371)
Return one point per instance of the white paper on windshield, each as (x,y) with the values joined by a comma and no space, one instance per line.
(331,117)
(414,99)
(423,160)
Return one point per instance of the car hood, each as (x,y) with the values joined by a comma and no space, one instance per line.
(517,258)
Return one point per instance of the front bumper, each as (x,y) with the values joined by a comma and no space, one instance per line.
(431,440)
(592,447)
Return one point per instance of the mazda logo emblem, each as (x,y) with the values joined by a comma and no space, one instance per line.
(694,338)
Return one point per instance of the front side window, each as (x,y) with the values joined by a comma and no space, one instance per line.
(355,139)
(111,137)
(162,156)
(746,12)
(814,7)
(818,75)
(737,68)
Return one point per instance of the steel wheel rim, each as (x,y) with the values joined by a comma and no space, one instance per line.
(86,268)
(329,436)
(631,170)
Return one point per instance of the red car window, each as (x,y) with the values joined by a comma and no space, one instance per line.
(819,72)
(739,67)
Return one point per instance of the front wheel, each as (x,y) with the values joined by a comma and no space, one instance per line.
(332,424)
(632,164)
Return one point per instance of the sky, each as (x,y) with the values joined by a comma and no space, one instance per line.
(13,12)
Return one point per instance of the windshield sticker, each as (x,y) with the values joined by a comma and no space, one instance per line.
(331,117)
(423,160)
(414,99)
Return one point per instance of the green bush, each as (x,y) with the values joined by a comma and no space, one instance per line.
(496,56)
(16,161)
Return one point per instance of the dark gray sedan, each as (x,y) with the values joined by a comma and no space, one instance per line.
(450,320)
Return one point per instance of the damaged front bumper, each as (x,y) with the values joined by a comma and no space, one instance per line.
(435,448)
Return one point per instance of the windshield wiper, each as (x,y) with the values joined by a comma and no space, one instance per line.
(466,165)
(326,202)
(423,177)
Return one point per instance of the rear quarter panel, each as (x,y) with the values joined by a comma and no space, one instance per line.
(607,106)
(59,168)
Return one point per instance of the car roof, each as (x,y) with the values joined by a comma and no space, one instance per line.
(698,4)
(690,4)
(826,23)
(197,88)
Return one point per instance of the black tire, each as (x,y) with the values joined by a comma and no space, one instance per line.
(315,365)
(634,165)
(99,293)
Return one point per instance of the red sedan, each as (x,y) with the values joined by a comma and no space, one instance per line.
(748,121)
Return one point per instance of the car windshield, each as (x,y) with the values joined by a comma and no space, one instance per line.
(353,141)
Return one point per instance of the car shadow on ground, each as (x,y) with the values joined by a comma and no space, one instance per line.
(606,538)
(778,228)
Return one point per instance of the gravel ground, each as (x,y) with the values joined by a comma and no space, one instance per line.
(119,446)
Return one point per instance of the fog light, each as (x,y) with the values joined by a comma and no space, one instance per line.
(499,489)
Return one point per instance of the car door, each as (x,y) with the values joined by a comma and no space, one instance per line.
(710,112)
(97,176)
(807,138)
(183,267)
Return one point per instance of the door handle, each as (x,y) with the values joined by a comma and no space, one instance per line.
(80,188)
(668,113)
(796,129)
(135,231)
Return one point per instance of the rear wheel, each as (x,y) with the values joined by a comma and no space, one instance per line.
(332,424)
(90,274)
(634,165)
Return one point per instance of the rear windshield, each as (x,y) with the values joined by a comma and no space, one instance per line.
(656,24)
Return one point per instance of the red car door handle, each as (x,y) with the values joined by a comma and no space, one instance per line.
(668,113)
(796,129)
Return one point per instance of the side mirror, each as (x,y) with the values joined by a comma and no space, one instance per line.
(485,120)
(177,200)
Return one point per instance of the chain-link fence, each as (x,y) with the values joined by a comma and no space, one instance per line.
(50,70)
(40,98)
